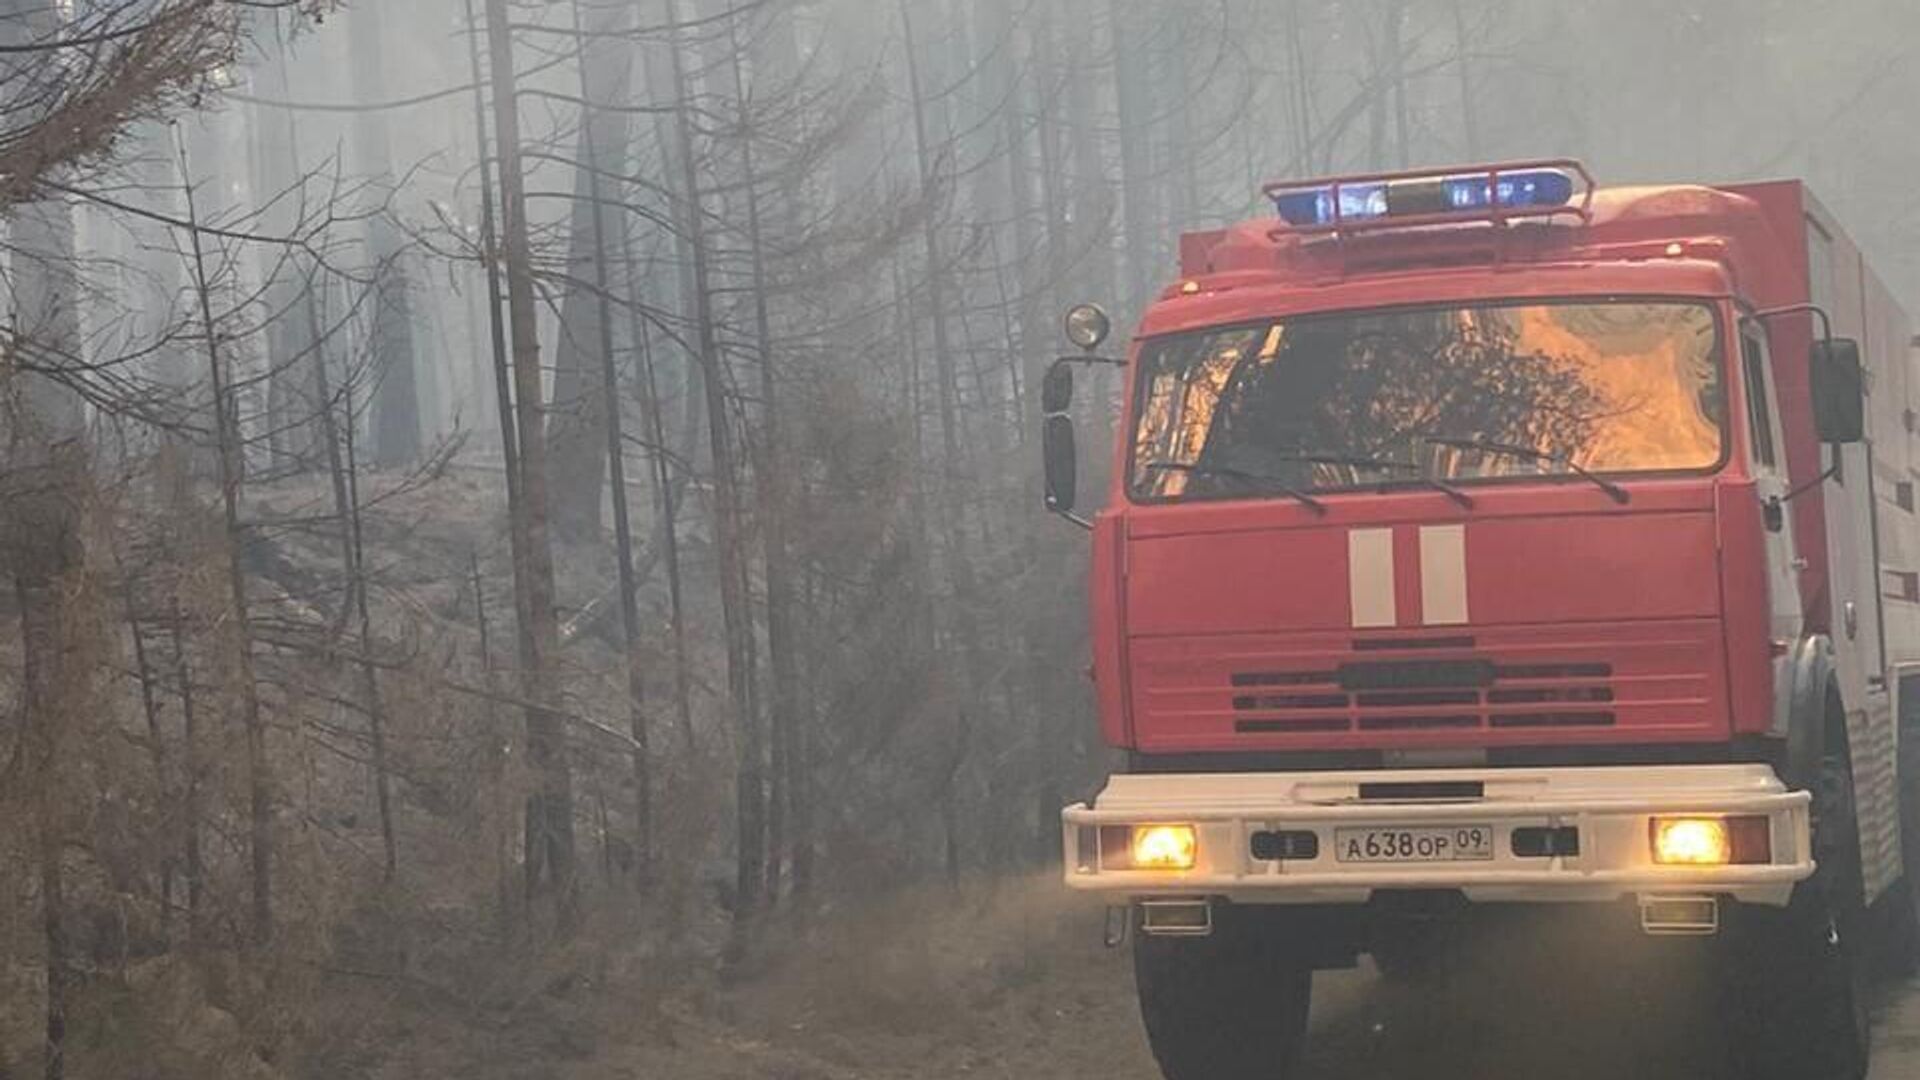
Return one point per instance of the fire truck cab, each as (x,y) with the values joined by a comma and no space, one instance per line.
(1484,536)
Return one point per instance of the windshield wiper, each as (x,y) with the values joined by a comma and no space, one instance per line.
(1273,482)
(1614,491)
(1420,475)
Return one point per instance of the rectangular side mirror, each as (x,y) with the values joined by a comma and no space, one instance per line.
(1056,390)
(1839,391)
(1062,464)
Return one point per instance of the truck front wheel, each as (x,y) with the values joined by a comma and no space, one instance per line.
(1228,1006)
(1800,996)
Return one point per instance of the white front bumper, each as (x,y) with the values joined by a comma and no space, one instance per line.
(1611,807)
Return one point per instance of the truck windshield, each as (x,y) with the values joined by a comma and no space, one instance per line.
(1360,399)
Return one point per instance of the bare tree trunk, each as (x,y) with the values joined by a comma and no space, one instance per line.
(550,812)
(497,338)
(190,774)
(395,426)
(666,491)
(497,738)
(578,408)
(1396,67)
(736,617)
(772,469)
(1469,122)
(40,631)
(156,749)
(614,449)
(369,676)
(1129,67)
(275,172)
(259,777)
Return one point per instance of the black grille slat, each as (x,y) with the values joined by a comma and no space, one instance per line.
(1284,678)
(1412,698)
(1256,702)
(1553,671)
(1417,723)
(1548,694)
(1271,727)
(1554,720)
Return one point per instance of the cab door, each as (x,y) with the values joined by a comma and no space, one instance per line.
(1767,461)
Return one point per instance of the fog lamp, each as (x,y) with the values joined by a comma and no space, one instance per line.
(1711,841)
(1088,326)
(1691,842)
(1148,847)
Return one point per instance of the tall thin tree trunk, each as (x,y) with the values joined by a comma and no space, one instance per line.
(550,811)
(1396,67)
(40,617)
(156,746)
(772,470)
(750,779)
(666,491)
(274,174)
(579,410)
(1463,67)
(503,815)
(502,366)
(369,676)
(395,426)
(227,444)
(189,772)
(614,447)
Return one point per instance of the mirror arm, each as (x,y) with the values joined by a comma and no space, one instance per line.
(1085,523)
(1831,471)
(1092,358)
(1818,312)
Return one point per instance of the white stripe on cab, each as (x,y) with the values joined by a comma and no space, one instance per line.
(1370,577)
(1443,575)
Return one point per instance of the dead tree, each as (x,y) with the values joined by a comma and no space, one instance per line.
(550,834)
(227,445)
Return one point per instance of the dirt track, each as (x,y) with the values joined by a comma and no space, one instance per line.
(1042,999)
(1021,989)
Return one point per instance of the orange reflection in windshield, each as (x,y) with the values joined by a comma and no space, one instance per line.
(1344,400)
(1644,363)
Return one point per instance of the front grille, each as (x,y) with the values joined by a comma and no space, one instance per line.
(1425,694)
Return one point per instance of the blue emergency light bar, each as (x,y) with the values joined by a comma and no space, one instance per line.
(1494,194)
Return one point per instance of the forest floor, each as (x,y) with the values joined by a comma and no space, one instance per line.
(1019,986)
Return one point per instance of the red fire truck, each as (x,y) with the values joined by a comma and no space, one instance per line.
(1484,537)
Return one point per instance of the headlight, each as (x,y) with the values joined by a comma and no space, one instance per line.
(1148,847)
(1711,841)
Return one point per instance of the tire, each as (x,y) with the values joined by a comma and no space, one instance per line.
(1902,925)
(1800,995)
(1229,1006)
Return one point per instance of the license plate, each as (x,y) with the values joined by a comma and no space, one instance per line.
(1423,843)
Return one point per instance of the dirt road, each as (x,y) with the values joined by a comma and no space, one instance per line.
(1020,988)
(1043,999)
